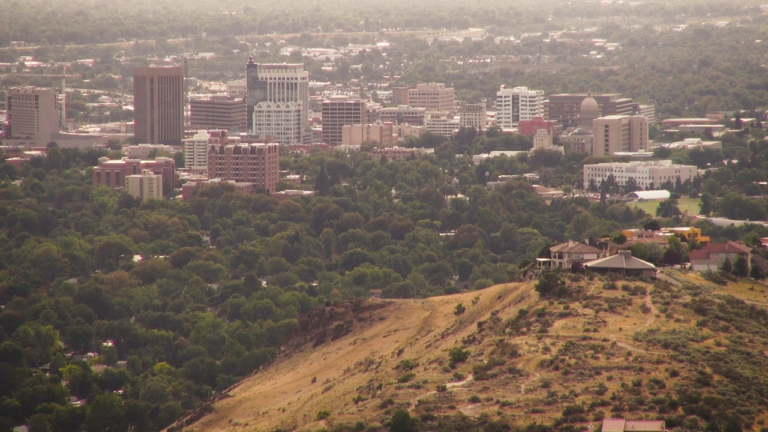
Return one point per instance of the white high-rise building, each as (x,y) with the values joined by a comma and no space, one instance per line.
(278,88)
(516,104)
(145,185)
(647,174)
(196,151)
(278,121)
(33,116)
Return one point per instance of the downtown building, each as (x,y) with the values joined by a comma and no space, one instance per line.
(403,114)
(433,97)
(518,104)
(246,163)
(145,185)
(473,116)
(196,147)
(115,173)
(647,174)
(565,108)
(277,102)
(32,116)
(379,133)
(339,111)
(619,134)
(158,99)
(218,113)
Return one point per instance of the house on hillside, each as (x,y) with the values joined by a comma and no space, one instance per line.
(621,425)
(565,255)
(712,256)
(624,264)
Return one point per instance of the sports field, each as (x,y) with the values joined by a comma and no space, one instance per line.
(685,203)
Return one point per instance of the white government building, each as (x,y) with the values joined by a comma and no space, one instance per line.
(647,174)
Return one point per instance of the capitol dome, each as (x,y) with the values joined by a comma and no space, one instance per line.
(588,113)
(589,105)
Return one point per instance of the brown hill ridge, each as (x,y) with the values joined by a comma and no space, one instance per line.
(616,349)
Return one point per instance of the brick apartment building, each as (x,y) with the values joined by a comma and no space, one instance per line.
(246,163)
(114,173)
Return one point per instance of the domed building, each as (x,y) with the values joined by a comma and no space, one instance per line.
(588,113)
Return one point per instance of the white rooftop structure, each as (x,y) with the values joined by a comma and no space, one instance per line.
(650,195)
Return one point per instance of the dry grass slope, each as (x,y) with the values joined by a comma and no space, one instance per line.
(612,348)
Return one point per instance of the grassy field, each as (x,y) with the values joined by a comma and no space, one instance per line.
(685,203)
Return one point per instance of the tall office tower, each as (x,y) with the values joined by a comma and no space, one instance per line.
(251,163)
(517,104)
(433,97)
(33,116)
(158,99)
(338,111)
(273,86)
(145,185)
(612,134)
(218,112)
(565,108)
(473,116)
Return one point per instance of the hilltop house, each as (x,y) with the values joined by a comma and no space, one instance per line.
(565,255)
(712,256)
(622,263)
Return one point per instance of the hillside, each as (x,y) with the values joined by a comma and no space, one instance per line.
(609,349)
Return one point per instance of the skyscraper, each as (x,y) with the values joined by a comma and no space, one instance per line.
(338,111)
(516,104)
(158,99)
(272,89)
(32,116)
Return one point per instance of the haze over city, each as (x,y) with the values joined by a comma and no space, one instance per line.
(339,215)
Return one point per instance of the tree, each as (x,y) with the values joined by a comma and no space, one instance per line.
(550,284)
(733,424)
(106,413)
(402,421)
(668,208)
(707,204)
(740,267)
(322,183)
(726,266)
